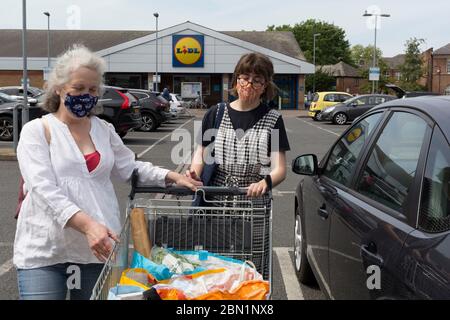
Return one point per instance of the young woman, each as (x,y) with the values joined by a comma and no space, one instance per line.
(70,214)
(251,143)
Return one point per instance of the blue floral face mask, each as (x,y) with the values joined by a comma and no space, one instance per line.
(80,105)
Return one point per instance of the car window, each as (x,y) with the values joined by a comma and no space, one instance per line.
(330,98)
(376,100)
(435,203)
(360,101)
(5,97)
(109,94)
(390,171)
(11,92)
(343,157)
(343,97)
(315,98)
(139,95)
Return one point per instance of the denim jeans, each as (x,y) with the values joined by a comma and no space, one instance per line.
(53,282)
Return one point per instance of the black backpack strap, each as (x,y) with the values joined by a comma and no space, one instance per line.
(219,115)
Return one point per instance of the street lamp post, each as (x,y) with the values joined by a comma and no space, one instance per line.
(156,15)
(314,61)
(48,38)
(376,15)
(25,111)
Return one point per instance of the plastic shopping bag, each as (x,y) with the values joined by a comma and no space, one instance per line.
(124,292)
(138,278)
(223,279)
(166,263)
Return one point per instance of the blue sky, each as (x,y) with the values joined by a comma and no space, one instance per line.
(408,18)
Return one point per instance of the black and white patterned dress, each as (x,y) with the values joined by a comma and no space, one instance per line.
(243,159)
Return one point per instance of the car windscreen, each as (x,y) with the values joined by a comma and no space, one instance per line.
(6,98)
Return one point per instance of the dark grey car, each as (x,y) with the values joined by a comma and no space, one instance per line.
(373,218)
(352,108)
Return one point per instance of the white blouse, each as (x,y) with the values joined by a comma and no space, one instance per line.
(59,185)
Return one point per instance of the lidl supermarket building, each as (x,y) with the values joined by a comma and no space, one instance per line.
(186,53)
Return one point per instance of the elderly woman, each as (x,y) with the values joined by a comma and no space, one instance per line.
(70,215)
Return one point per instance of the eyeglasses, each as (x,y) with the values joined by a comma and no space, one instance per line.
(256,84)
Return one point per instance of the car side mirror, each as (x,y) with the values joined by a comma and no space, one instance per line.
(306,165)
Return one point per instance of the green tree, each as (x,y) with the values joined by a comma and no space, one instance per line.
(412,69)
(324,82)
(363,59)
(331,46)
(363,56)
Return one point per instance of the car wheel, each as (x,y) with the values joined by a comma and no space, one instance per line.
(149,122)
(340,118)
(6,129)
(302,266)
(315,118)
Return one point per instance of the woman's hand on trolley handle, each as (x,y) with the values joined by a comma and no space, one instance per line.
(256,190)
(98,236)
(190,173)
(183,181)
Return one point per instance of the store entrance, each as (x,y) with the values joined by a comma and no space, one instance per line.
(287,96)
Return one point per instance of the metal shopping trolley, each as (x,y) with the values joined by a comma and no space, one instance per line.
(228,225)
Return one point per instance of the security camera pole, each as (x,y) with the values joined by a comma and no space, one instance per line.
(376,15)
(25,110)
(314,61)
(48,38)
(156,15)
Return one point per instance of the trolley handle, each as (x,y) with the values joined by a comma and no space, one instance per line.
(183,191)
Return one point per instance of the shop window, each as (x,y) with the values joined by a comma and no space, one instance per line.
(204,79)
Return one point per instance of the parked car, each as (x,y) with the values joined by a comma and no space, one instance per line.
(7,105)
(16,92)
(352,108)
(322,100)
(154,109)
(401,94)
(178,106)
(121,109)
(372,219)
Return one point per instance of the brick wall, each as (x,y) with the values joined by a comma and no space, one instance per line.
(441,76)
(12,78)
(350,85)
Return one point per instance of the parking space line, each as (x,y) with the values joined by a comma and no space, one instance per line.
(291,284)
(313,125)
(4,268)
(163,138)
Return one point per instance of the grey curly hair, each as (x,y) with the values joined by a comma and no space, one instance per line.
(75,57)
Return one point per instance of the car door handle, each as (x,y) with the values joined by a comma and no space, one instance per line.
(369,252)
(323,213)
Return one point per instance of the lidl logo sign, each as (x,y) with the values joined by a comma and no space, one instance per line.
(188,51)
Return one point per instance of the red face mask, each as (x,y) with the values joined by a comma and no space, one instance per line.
(249,93)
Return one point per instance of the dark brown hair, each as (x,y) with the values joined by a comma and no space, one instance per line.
(257,64)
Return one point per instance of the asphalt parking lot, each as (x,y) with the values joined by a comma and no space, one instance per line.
(305,136)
